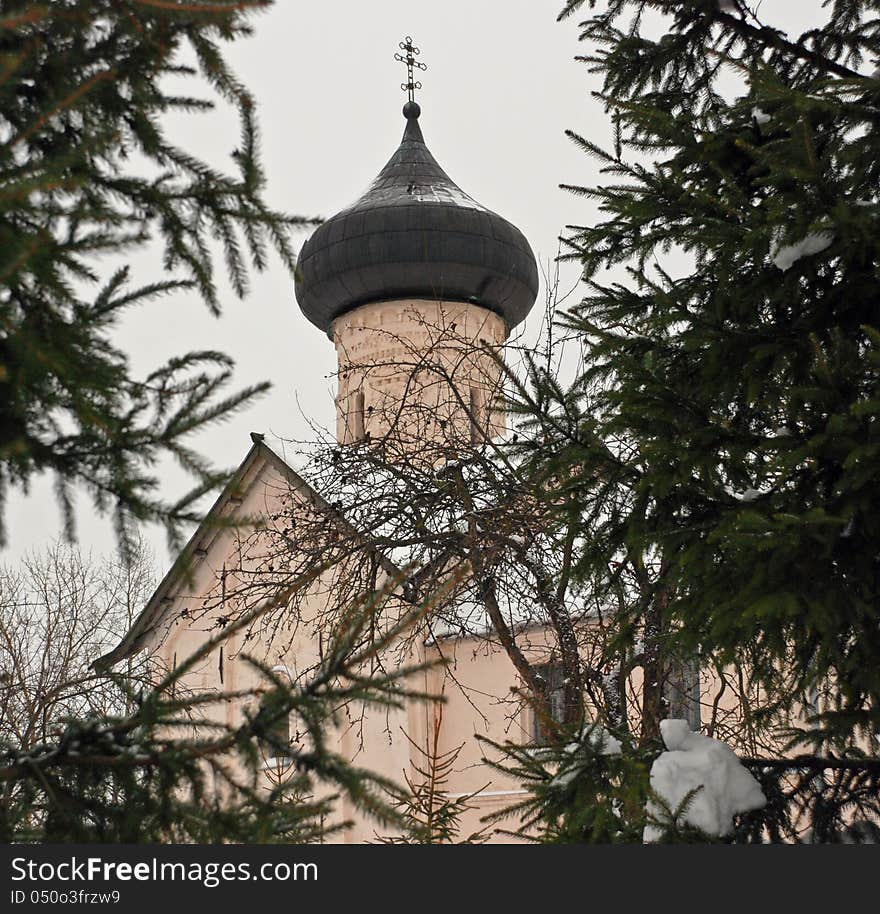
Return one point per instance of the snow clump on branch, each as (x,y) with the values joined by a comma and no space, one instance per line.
(694,762)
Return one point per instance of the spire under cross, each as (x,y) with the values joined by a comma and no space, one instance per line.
(412,64)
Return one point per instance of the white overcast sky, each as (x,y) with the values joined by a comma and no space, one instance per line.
(501,87)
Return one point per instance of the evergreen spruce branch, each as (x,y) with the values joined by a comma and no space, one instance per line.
(590,147)
(65,207)
(770,37)
(753,36)
(65,104)
(45,764)
(107,305)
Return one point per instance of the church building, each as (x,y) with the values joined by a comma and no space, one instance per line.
(417,286)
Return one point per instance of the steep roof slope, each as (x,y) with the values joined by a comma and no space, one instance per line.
(220,517)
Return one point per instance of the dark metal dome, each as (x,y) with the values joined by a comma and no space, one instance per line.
(415,234)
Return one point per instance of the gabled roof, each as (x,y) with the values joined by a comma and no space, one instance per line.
(213,524)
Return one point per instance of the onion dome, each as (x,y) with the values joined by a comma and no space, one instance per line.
(415,234)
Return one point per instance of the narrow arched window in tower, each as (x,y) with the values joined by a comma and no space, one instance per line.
(477,410)
(356,423)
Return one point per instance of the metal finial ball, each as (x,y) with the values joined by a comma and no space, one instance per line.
(411,110)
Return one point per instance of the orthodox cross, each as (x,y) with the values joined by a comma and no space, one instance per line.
(412,64)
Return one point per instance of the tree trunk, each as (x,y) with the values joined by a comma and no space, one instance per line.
(652,687)
(682,691)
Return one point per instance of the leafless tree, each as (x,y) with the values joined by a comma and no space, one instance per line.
(430,489)
(59,610)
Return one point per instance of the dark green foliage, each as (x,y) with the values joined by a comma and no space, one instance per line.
(733,387)
(814,801)
(577,791)
(722,438)
(87,174)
